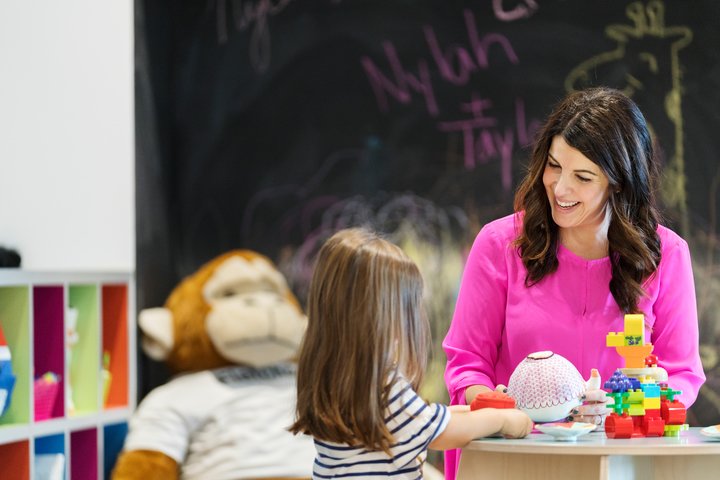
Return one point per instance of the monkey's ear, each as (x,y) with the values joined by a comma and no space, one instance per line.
(157,327)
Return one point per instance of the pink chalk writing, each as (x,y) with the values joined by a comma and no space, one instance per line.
(526,8)
(404,81)
(484,138)
(470,60)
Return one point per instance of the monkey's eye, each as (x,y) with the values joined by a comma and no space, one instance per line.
(227,293)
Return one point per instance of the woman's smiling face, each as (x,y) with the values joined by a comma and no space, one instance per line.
(576,187)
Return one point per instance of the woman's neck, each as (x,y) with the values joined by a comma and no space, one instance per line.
(589,250)
(589,241)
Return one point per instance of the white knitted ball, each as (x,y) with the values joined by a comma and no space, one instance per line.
(546,386)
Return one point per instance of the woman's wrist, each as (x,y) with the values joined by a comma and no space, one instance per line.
(472,391)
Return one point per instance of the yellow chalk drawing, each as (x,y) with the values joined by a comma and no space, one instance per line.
(638,59)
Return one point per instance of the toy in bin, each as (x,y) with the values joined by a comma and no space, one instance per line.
(46,390)
(7,379)
(106,376)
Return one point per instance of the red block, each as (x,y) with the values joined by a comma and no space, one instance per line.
(492,399)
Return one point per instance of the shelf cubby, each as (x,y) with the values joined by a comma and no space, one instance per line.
(85,426)
(115,342)
(84,454)
(49,355)
(84,355)
(15,322)
(15,457)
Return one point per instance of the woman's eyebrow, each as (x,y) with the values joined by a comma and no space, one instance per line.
(576,171)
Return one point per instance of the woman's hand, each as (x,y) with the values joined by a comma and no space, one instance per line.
(472,391)
(595,403)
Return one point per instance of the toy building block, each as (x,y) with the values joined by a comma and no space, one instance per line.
(493,399)
(651,360)
(653,427)
(644,404)
(634,355)
(635,326)
(618,426)
(651,390)
(636,410)
(615,339)
(673,413)
(674,430)
(669,393)
(652,413)
(635,396)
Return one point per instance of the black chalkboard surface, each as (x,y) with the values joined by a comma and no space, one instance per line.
(268,124)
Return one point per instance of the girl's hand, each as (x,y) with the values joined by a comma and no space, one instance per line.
(595,403)
(516,424)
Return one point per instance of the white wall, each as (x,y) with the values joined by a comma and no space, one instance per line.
(67,133)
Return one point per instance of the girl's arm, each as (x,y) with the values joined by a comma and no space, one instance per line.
(466,425)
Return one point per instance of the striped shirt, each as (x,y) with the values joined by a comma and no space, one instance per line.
(412,422)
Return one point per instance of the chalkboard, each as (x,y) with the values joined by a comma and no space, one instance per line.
(268,124)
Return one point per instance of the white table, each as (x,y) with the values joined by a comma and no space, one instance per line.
(691,456)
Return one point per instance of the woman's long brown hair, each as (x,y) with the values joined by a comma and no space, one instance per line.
(608,128)
(365,327)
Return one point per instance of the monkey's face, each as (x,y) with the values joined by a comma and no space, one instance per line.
(253,319)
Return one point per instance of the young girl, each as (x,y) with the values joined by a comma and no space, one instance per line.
(362,360)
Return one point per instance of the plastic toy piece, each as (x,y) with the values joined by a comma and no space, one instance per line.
(645,405)
(7,379)
(653,427)
(493,399)
(669,393)
(673,413)
(618,426)
(651,360)
(615,339)
(674,430)
(635,327)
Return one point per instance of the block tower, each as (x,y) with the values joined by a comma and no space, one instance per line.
(645,406)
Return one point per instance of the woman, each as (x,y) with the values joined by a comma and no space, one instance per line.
(583,248)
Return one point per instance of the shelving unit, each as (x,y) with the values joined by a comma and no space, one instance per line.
(82,427)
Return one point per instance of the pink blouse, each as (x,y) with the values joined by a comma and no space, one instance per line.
(498,321)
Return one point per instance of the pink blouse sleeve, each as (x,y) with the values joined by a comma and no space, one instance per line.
(472,341)
(675,332)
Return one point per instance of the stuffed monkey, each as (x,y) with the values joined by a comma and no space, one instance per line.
(230,332)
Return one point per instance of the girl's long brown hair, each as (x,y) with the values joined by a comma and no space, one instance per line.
(608,128)
(365,327)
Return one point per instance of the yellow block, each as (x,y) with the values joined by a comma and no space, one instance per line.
(635,396)
(635,410)
(615,339)
(652,403)
(635,325)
